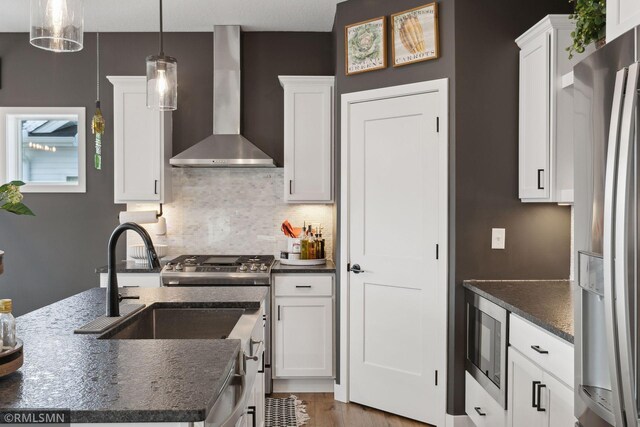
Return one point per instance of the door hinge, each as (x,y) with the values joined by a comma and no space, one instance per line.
(437,124)
(437,251)
(436,377)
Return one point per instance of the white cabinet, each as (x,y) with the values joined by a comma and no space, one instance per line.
(546,112)
(483,409)
(536,398)
(142,144)
(540,375)
(308,139)
(622,16)
(303,330)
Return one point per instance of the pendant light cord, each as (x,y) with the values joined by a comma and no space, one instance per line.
(98,68)
(161,29)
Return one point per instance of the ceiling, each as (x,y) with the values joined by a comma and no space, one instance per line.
(188,15)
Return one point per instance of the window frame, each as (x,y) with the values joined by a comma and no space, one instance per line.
(10,165)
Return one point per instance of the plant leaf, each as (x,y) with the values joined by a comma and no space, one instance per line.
(17,208)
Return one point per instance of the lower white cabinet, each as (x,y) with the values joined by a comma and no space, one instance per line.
(536,398)
(134,280)
(303,327)
(483,410)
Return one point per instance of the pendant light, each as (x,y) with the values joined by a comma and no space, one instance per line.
(162,78)
(57,25)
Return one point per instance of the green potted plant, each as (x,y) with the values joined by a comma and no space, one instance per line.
(11,201)
(590,18)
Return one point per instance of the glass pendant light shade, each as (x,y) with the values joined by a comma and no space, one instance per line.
(57,25)
(162,83)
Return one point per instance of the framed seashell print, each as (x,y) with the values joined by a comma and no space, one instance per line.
(415,35)
(365,46)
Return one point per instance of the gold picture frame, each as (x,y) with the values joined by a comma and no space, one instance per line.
(415,35)
(365,46)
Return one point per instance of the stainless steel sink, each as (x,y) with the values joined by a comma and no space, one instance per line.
(177,323)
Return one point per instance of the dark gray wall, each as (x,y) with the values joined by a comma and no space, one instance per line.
(54,254)
(538,240)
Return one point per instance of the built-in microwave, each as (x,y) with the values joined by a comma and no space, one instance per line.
(487,345)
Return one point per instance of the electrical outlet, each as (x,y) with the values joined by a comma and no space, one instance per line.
(497,238)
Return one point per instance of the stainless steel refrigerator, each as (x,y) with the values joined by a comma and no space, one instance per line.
(607,300)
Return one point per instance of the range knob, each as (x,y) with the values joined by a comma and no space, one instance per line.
(263,267)
(169,267)
(179,267)
(254,267)
(243,267)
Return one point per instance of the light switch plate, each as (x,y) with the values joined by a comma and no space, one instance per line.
(497,238)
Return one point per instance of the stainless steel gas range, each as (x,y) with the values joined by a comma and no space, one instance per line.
(226,270)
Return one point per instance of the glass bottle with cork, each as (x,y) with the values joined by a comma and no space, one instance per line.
(7,325)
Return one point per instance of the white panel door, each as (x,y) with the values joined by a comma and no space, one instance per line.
(534,134)
(304,337)
(137,145)
(396,324)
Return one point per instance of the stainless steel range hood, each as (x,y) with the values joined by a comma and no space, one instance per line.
(226,147)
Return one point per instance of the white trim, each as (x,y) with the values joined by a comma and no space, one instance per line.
(341,392)
(8,166)
(303,385)
(458,421)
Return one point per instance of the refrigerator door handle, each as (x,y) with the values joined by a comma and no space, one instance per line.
(608,243)
(622,242)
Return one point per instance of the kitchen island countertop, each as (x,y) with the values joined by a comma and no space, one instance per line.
(122,381)
(546,303)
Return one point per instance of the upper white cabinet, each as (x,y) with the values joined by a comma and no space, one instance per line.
(142,144)
(546,112)
(622,16)
(308,139)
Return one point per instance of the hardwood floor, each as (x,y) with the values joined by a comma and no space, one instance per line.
(326,412)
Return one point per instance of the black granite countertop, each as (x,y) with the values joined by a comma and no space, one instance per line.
(546,303)
(329,267)
(130,266)
(121,381)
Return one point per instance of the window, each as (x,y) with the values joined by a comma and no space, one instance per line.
(44,147)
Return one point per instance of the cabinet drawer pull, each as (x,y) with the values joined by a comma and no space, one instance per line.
(540,176)
(479,411)
(540,408)
(539,350)
(533,393)
(303,286)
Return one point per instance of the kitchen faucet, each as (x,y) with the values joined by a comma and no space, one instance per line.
(113,298)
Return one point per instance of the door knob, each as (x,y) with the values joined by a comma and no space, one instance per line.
(356,269)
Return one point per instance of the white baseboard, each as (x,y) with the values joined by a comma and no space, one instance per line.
(307,385)
(458,421)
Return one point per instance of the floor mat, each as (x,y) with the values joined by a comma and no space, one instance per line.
(285,412)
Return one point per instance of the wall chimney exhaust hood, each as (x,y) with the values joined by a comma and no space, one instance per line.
(226,147)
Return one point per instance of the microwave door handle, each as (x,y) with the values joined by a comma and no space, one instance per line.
(622,242)
(607,237)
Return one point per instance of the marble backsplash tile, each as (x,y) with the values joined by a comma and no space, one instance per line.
(232,211)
